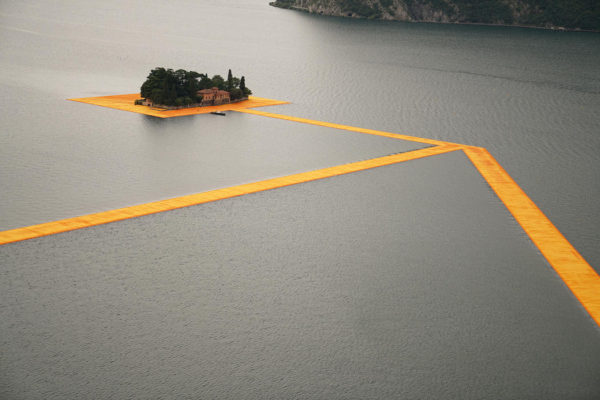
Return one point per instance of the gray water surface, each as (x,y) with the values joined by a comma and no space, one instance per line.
(116,159)
(532,97)
(407,281)
(318,290)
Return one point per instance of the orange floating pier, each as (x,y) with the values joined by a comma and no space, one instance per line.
(50,228)
(577,274)
(125,102)
(346,127)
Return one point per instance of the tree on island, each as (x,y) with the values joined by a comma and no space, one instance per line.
(229,80)
(243,85)
(218,82)
(180,88)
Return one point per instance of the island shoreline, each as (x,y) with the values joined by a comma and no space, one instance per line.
(544,28)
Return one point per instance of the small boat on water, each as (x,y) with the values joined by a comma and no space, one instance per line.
(218,113)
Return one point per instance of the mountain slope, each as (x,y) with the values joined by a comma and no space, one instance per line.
(568,14)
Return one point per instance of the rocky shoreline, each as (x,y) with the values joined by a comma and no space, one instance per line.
(518,13)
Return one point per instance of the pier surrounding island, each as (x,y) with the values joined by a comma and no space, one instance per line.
(573,269)
(125,102)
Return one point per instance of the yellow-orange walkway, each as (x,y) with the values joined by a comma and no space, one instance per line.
(577,274)
(346,127)
(50,228)
(125,102)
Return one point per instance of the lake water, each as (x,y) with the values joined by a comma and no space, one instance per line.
(298,292)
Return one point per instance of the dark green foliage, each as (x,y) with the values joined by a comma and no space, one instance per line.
(179,88)
(154,81)
(218,81)
(229,84)
(584,14)
(168,87)
(571,14)
(413,7)
(245,91)
(236,94)
(283,3)
(205,82)
(486,11)
(360,7)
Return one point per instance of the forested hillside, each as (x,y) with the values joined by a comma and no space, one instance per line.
(557,14)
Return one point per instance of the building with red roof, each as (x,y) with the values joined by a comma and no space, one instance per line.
(214,96)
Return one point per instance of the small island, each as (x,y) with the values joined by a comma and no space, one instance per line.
(172,90)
